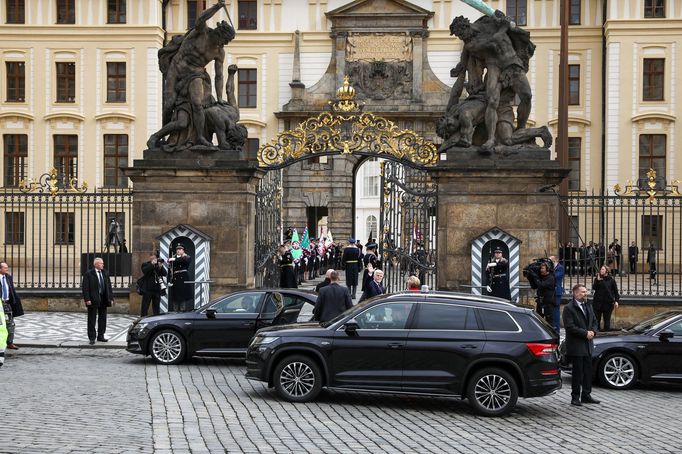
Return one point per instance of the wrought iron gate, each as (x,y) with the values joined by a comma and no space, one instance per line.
(408,224)
(268,229)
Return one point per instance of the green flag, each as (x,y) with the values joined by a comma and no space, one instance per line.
(296,250)
(305,242)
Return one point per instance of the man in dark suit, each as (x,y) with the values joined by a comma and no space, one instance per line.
(374,287)
(327,280)
(154,272)
(11,303)
(333,300)
(581,327)
(98,295)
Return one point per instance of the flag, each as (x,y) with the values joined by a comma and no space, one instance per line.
(330,239)
(296,251)
(305,242)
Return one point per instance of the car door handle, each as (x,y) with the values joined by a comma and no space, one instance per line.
(469,346)
(249,324)
(396,345)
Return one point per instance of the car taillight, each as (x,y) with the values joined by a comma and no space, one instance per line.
(550,372)
(541,349)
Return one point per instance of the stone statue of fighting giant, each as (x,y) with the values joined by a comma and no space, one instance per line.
(496,47)
(191,115)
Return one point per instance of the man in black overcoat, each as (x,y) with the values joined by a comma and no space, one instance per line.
(98,296)
(351,262)
(581,327)
(182,293)
(153,273)
(374,287)
(11,303)
(333,300)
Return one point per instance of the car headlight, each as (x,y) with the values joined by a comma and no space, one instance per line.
(263,340)
(139,327)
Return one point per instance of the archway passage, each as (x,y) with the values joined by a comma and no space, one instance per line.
(405,228)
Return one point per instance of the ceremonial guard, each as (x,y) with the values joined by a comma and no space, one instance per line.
(351,261)
(181,294)
(370,258)
(498,276)
(287,276)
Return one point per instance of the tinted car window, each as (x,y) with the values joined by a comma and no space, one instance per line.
(445,317)
(385,316)
(291,300)
(271,305)
(676,328)
(497,321)
(240,304)
(306,313)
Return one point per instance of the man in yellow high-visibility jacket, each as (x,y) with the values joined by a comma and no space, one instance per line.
(3,337)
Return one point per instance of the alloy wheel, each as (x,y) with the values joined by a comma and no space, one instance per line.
(493,392)
(297,379)
(167,347)
(619,371)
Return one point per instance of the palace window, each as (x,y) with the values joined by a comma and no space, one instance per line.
(116,11)
(370,178)
(516,9)
(194,10)
(15,11)
(66,11)
(66,82)
(15,159)
(248,87)
(652,231)
(116,82)
(651,156)
(15,227)
(65,228)
(653,79)
(574,149)
(16,81)
(115,157)
(573,85)
(654,8)
(248,14)
(251,147)
(66,156)
(371,226)
(574,15)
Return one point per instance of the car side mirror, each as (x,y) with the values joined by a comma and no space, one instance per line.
(666,335)
(351,327)
(210,313)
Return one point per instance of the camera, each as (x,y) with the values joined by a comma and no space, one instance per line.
(532,270)
(160,261)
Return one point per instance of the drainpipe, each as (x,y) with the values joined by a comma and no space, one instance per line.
(602,190)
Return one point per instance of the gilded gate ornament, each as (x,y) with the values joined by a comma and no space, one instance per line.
(652,189)
(51,182)
(347,130)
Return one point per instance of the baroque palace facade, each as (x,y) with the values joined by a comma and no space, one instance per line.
(80,88)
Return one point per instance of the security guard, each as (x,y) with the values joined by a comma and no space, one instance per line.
(351,262)
(498,276)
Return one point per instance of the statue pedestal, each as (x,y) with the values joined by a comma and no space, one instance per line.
(477,194)
(213,192)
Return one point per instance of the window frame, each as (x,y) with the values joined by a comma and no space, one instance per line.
(14,235)
(250,85)
(573,79)
(457,304)
(20,152)
(408,319)
(64,228)
(649,78)
(574,159)
(117,15)
(251,7)
(482,322)
(650,9)
(66,12)
(650,157)
(66,82)
(15,12)
(118,158)
(575,4)
(68,168)
(513,11)
(15,80)
(196,7)
(114,92)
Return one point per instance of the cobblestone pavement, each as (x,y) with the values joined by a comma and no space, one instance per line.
(109,401)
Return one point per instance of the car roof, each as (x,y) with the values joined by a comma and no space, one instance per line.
(456,297)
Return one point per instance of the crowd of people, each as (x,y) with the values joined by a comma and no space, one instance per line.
(585,259)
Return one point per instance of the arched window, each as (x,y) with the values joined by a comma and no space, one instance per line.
(371,226)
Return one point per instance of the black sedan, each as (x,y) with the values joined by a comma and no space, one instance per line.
(650,351)
(223,327)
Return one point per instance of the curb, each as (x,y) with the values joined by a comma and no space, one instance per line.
(73,344)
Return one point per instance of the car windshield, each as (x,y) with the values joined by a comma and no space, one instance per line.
(358,307)
(649,323)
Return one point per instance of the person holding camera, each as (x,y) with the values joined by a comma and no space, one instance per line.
(153,287)
(605,298)
(545,284)
(182,294)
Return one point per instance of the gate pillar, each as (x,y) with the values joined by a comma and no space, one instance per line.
(476,195)
(214,193)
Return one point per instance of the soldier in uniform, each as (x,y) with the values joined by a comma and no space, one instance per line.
(370,258)
(351,261)
(498,276)
(287,275)
(181,295)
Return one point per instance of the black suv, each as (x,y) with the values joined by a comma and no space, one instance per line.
(440,343)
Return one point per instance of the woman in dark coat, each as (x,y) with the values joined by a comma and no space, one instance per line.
(287,276)
(605,297)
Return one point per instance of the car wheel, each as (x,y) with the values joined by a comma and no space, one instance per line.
(618,371)
(492,392)
(167,347)
(298,379)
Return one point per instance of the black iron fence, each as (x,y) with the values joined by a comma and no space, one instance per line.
(52,230)
(638,238)
(268,229)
